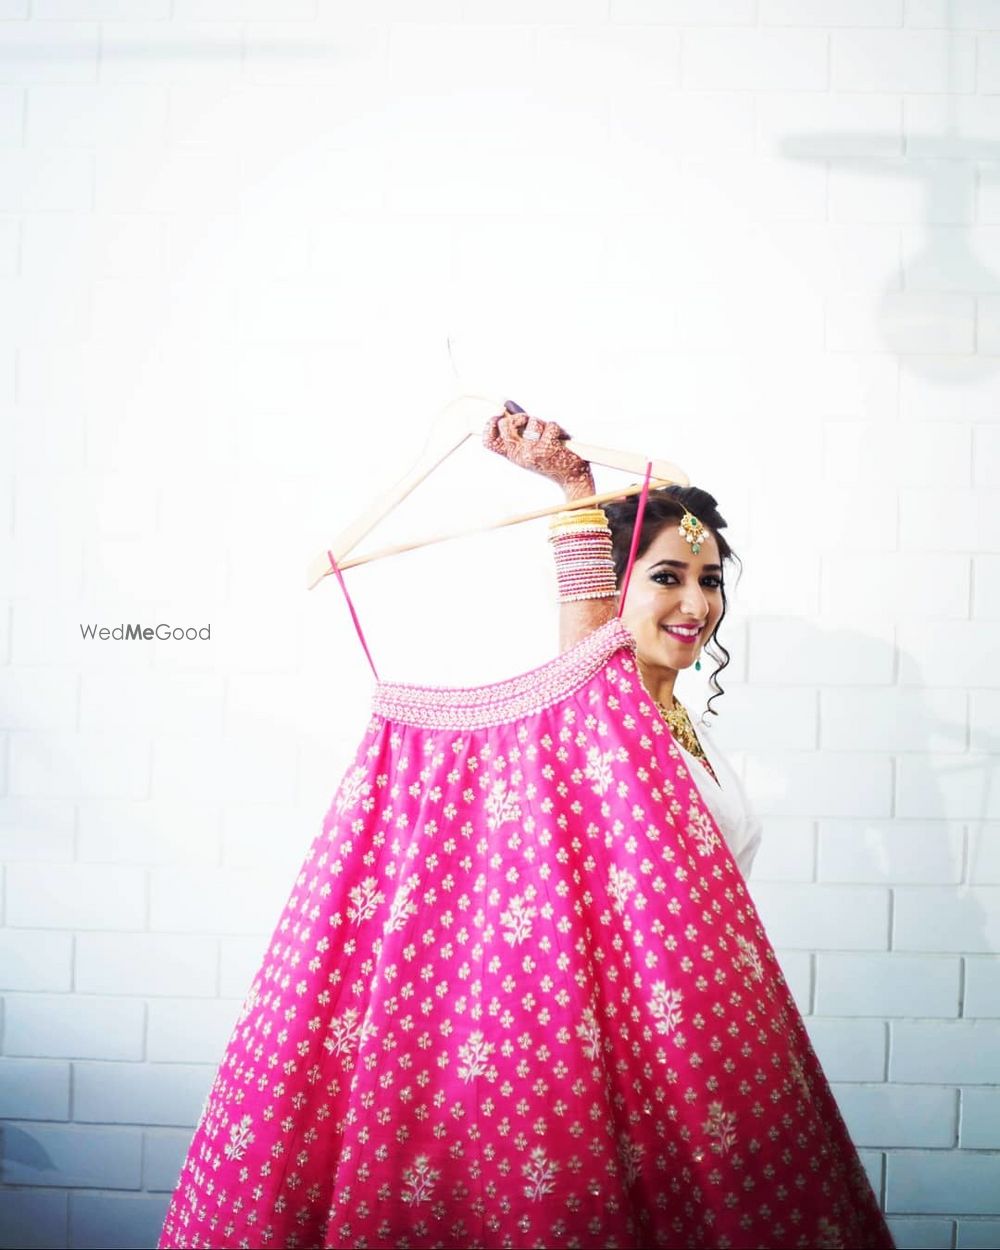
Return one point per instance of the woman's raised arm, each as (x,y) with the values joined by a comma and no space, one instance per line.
(539,446)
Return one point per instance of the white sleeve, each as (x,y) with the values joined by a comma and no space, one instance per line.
(751,829)
(737,820)
(748,852)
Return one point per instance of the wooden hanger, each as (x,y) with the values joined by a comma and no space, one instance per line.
(459,420)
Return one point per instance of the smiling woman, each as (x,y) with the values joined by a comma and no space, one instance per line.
(677,597)
(674,607)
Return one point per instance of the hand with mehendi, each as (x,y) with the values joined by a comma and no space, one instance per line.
(539,446)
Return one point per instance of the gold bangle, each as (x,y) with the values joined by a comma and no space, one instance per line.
(582,516)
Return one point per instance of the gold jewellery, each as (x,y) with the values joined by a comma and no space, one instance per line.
(585,567)
(683,731)
(681,727)
(581,540)
(692,531)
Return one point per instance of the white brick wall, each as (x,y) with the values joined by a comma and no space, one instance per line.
(82,1157)
(195,1031)
(899,1115)
(75,896)
(895,588)
(933,1182)
(146,964)
(33,1218)
(115,1221)
(815,786)
(139,1093)
(769,246)
(982,987)
(980,1118)
(984,852)
(905,61)
(850,1049)
(767,59)
(890,851)
(162,1158)
(74,1026)
(947,1052)
(33,1089)
(34,959)
(887,985)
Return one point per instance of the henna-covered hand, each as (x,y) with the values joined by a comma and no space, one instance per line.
(539,446)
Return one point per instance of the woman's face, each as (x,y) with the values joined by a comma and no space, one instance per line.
(671,587)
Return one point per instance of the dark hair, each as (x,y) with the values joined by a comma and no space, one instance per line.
(664,505)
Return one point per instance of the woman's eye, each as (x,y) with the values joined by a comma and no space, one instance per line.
(712,583)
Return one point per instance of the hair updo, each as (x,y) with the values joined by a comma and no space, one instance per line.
(664,506)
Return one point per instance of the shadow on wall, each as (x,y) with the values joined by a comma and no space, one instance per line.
(888,928)
(929,307)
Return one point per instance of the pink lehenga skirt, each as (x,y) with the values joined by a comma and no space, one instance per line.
(520,996)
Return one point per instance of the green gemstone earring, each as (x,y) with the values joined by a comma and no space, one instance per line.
(697,666)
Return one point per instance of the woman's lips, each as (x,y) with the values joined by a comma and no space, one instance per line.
(689,638)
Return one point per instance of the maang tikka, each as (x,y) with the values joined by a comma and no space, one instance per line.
(693,532)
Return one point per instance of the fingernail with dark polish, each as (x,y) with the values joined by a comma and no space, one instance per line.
(512,407)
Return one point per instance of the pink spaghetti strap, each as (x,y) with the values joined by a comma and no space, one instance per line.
(354,615)
(636,531)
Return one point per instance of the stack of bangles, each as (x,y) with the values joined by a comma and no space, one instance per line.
(584,565)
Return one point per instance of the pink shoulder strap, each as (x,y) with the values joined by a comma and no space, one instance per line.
(354,615)
(636,531)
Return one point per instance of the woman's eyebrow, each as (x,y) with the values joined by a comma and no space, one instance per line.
(680,564)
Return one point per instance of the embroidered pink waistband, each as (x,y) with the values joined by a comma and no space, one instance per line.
(474,707)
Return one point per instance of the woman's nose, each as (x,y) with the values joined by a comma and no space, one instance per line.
(694,602)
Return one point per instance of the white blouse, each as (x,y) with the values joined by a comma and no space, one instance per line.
(726,799)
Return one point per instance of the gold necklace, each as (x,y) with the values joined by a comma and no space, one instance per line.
(681,727)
